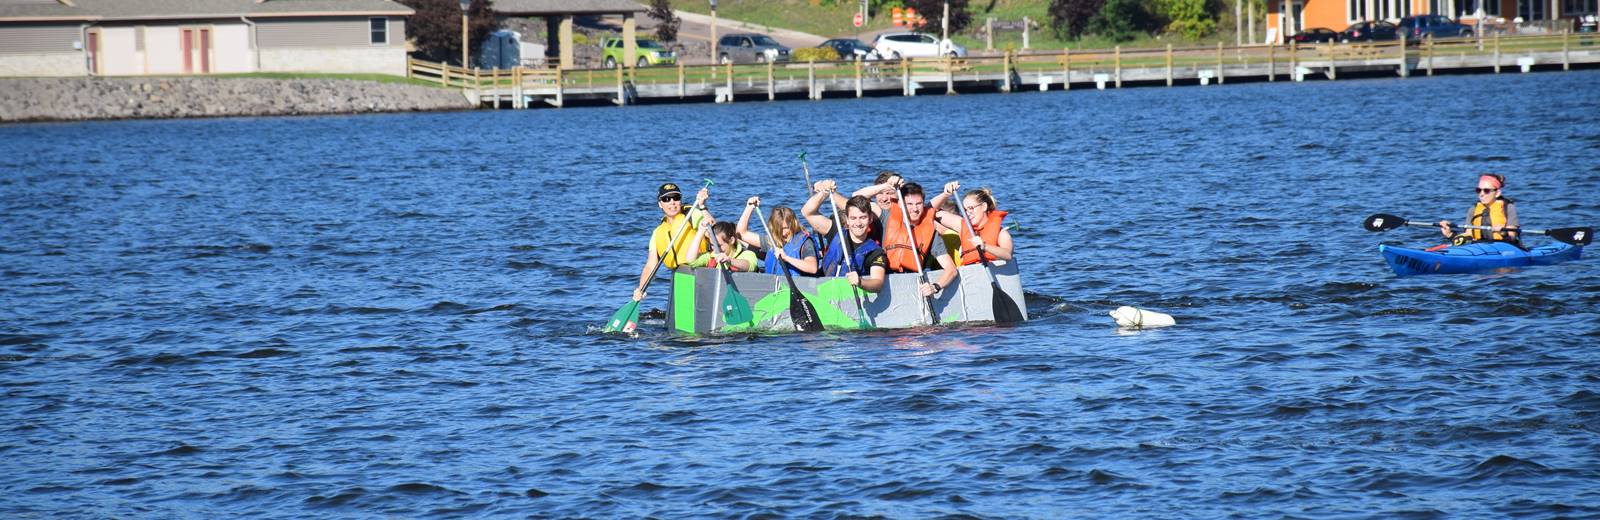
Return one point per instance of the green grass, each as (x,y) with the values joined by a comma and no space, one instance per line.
(380,78)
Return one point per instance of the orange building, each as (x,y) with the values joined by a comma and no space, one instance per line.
(1338,14)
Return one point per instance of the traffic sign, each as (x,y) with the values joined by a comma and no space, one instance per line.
(858,19)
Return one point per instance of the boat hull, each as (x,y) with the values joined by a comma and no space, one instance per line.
(1474,258)
(694,306)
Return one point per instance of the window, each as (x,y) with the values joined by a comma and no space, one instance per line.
(380,30)
(1577,7)
(1357,9)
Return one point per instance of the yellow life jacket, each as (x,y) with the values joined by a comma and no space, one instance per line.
(1492,215)
(686,249)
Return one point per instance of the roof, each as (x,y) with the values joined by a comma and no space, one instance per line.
(110,10)
(553,7)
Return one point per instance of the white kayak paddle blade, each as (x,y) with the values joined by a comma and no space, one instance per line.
(1132,318)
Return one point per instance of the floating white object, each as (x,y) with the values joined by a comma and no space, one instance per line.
(1206,75)
(1100,81)
(1526,62)
(1132,318)
(1044,83)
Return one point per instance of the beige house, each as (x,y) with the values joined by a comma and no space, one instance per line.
(141,37)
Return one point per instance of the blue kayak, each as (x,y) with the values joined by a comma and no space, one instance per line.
(1473,258)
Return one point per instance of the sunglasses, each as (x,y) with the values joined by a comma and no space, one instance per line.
(1488,190)
(671,198)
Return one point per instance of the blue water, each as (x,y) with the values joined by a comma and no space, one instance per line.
(394,315)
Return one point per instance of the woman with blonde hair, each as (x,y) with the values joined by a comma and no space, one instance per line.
(986,235)
(798,251)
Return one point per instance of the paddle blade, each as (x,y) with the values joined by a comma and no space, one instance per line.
(735,309)
(625,319)
(1383,222)
(1005,308)
(1581,236)
(802,313)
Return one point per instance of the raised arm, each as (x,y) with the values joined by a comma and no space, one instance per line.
(743,232)
(812,211)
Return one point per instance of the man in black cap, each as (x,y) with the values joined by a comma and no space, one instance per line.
(675,222)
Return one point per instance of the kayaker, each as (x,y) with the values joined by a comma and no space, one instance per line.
(734,256)
(1492,210)
(929,251)
(989,223)
(687,247)
(866,257)
(799,251)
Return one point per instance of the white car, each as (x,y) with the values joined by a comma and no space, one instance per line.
(915,45)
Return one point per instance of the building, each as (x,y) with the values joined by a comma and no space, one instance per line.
(149,37)
(559,16)
(1338,14)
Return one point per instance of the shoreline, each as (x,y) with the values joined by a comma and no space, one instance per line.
(31,100)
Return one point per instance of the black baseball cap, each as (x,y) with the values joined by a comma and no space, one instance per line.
(668,189)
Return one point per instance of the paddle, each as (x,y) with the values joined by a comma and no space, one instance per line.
(807,169)
(801,312)
(627,317)
(1578,236)
(735,308)
(922,276)
(844,239)
(1005,309)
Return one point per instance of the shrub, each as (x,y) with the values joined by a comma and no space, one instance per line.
(815,54)
(1121,20)
(1069,19)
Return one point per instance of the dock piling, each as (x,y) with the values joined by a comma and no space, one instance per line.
(1169,64)
(683,89)
(1219,63)
(858,78)
(1272,63)
(771,92)
(1405,70)
(1066,69)
(1118,51)
(1496,53)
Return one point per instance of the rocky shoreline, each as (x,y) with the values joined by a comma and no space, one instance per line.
(80,99)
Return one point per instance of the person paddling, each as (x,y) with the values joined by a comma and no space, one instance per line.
(987,221)
(866,268)
(923,249)
(674,218)
(733,255)
(1492,210)
(798,252)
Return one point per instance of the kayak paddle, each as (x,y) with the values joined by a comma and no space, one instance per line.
(1005,309)
(735,308)
(801,312)
(1578,236)
(627,317)
(844,240)
(922,276)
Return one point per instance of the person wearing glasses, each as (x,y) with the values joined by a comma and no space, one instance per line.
(988,222)
(1493,210)
(688,244)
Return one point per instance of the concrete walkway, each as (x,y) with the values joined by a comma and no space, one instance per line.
(698,27)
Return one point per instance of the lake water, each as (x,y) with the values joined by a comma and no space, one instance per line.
(395,315)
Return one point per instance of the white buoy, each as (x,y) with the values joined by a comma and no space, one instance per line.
(1132,318)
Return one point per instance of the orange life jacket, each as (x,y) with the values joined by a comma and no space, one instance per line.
(990,232)
(897,248)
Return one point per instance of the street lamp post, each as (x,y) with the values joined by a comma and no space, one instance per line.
(713,31)
(465,4)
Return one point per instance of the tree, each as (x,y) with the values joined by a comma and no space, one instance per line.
(933,10)
(1121,20)
(436,28)
(1069,19)
(1191,18)
(666,22)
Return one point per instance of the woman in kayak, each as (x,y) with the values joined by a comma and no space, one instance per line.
(987,221)
(1493,210)
(798,253)
(730,254)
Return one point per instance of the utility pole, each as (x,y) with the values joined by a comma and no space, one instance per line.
(465,5)
(713,31)
(944,23)
(1238,23)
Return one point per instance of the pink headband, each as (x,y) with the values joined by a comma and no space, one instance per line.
(1492,179)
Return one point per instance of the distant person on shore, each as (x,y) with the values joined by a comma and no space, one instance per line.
(798,252)
(987,221)
(1492,210)
(675,219)
(733,255)
(924,249)
(867,267)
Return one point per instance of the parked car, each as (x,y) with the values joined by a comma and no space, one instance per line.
(1370,32)
(1315,35)
(650,52)
(915,45)
(750,48)
(851,49)
(1423,26)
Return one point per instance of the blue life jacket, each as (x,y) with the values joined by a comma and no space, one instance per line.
(792,250)
(833,259)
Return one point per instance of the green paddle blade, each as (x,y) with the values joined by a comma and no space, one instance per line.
(625,319)
(735,308)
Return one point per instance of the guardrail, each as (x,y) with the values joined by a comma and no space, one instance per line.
(1209,63)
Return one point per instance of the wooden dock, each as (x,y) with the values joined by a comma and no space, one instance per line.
(1011,71)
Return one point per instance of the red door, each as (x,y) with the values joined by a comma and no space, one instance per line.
(187,41)
(205,51)
(94,53)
